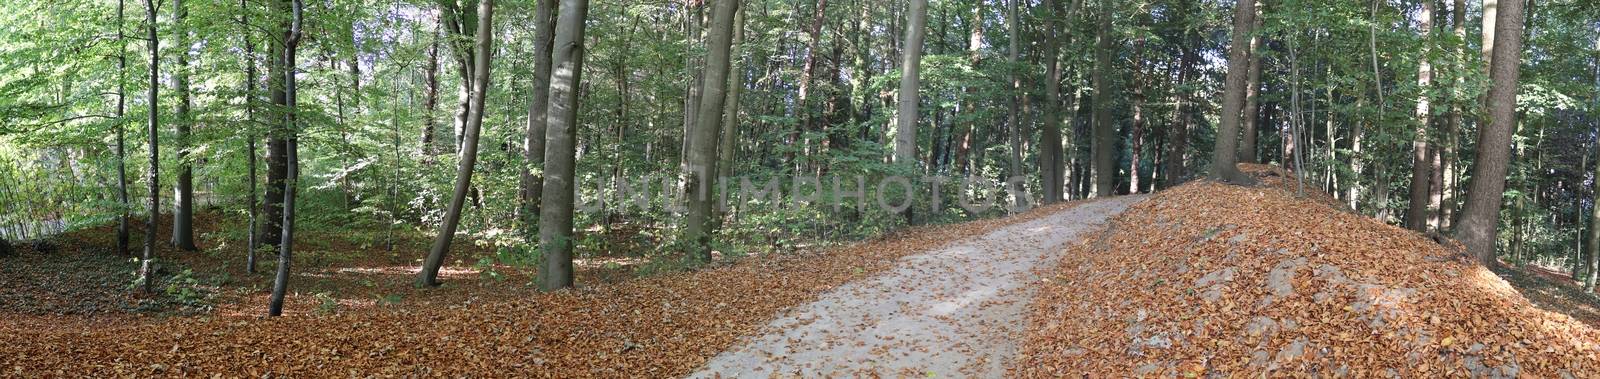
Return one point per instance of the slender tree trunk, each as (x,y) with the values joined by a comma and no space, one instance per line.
(153,128)
(1178,134)
(122,130)
(1447,203)
(1479,217)
(969,105)
(1105,135)
(430,102)
(1592,265)
(727,143)
(555,212)
(291,42)
(250,134)
(538,120)
(1421,156)
(1051,162)
(1250,115)
(808,68)
(469,151)
(1136,137)
(183,213)
(1013,121)
(702,159)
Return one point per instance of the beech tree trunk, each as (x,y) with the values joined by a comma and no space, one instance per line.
(1105,133)
(1249,116)
(1421,155)
(905,139)
(1052,164)
(122,131)
(1481,213)
(250,134)
(701,164)
(469,149)
(727,147)
(1224,155)
(538,120)
(430,101)
(153,128)
(291,42)
(183,213)
(1176,169)
(555,213)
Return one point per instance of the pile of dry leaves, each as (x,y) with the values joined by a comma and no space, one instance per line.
(658,326)
(1216,280)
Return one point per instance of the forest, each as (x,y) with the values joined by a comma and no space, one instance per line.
(651,187)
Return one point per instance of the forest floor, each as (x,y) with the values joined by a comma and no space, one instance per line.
(68,311)
(1217,280)
(954,311)
(1200,279)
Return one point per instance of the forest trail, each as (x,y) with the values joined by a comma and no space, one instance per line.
(956,311)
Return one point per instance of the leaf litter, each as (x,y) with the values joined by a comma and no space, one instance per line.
(1215,280)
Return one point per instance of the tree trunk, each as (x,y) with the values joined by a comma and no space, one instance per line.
(1051,162)
(1249,116)
(122,131)
(291,42)
(555,212)
(533,142)
(1136,137)
(1176,169)
(1223,156)
(701,164)
(469,148)
(1105,134)
(727,147)
(183,213)
(905,139)
(969,105)
(1480,215)
(153,128)
(1593,250)
(1421,155)
(250,135)
(430,101)
(808,68)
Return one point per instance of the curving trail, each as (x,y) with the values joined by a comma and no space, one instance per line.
(954,312)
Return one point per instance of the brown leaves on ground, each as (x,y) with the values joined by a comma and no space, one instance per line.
(657,326)
(1217,280)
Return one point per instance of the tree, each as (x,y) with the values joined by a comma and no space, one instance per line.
(1252,98)
(905,138)
(1421,159)
(183,213)
(555,210)
(1593,248)
(701,164)
(1051,162)
(1176,168)
(250,133)
(122,131)
(291,42)
(152,127)
(1480,214)
(1225,154)
(1105,133)
(538,120)
(727,143)
(469,150)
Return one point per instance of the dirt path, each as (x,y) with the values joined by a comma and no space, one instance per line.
(953,312)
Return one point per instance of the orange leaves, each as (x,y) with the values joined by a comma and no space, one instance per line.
(1348,297)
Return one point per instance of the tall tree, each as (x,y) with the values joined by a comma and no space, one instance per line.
(1178,133)
(1224,156)
(905,139)
(555,212)
(727,147)
(122,130)
(250,132)
(1105,133)
(1421,157)
(808,69)
(1013,122)
(291,43)
(701,165)
(1481,213)
(469,148)
(538,119)
(1051,161)
(430,99)
(183,213)
(1249,116)
(152,127)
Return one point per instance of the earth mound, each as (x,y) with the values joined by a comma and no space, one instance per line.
(1215,280)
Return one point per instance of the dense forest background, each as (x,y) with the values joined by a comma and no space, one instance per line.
(403,117)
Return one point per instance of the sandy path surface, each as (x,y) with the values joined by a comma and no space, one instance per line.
(953,312)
